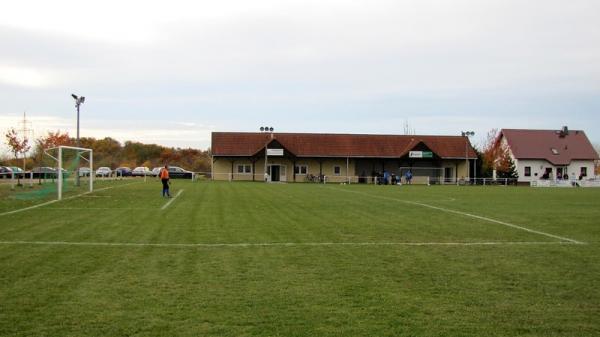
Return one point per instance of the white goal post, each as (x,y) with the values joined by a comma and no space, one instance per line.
(80,155)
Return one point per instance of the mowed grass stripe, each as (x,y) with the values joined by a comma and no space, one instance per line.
(278,244)
(447,210)
(505,288)
(68,197)
(230,213)
(325,291)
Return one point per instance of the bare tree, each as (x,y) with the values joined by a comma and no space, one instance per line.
(17,146)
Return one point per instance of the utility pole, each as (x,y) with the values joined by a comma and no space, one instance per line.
(26,131)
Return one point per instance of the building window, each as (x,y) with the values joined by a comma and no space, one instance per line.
(583,172)
(337,170)
(528,171)
(246,168)
(301,169)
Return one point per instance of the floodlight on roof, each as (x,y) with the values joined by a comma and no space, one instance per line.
(74,96)
(262,129)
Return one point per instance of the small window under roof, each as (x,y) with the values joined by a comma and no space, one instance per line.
(554,151)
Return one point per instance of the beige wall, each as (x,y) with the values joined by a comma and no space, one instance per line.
(222,169)
(462,169)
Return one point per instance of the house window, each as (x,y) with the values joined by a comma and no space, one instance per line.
(337,170)
(583,172)
(554,151)
(301,169)
(528,171)
(244,169)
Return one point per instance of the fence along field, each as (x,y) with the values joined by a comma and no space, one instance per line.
(303,259)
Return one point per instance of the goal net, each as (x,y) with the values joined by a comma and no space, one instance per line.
(73,169)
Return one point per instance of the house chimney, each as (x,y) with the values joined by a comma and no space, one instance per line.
(564,131)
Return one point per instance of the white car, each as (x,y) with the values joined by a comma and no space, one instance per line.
(156,171)
(141,171)
(103,172)
(84,171)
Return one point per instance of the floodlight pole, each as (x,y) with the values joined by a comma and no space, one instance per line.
(78,101)
(266,151)
(467,134)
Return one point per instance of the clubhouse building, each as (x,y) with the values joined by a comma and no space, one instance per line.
(355,158)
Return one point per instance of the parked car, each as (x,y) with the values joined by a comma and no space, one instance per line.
(19,173)
(84,171)
(5,172)
(103,172)
(141,171)
(123,172)
(177,172)
(156,171)
(43,172)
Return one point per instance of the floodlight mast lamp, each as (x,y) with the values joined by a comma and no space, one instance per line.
(78,101)
(267,129)
(467,134)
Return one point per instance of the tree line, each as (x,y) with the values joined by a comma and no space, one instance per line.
(492,155)
(107,152)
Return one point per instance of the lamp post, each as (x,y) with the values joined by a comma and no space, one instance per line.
(268,130)
(78,101)
(467,134)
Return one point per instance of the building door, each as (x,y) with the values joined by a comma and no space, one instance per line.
(277,172)
(448,175)
(274,172)
(282,173)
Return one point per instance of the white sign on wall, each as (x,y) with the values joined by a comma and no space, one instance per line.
(274,152)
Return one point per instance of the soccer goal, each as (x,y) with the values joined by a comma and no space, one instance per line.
(74,167)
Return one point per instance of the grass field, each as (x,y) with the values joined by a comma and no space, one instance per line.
(251,259)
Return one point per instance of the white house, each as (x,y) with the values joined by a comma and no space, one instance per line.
(550,154)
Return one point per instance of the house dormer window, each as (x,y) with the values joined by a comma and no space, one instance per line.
(554,151)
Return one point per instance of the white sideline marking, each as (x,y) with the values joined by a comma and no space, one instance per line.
(28,208)
(170,201)
(468,215)
(67,198)
(284,244)
(110,208)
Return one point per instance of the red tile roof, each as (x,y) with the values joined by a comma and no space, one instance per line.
(538,144)
(339,145)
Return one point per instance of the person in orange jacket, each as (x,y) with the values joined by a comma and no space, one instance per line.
(164,178)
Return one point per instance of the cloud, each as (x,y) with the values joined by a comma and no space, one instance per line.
(23,77)
(237,64)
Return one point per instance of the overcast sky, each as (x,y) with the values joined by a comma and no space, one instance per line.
(170,72)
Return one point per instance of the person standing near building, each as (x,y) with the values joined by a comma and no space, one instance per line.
(164,178)
(408,177)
